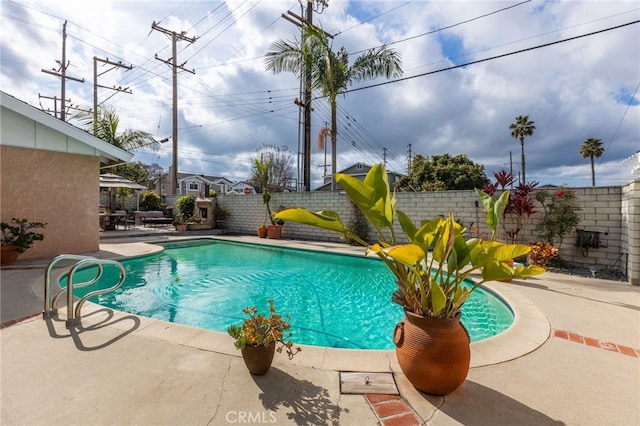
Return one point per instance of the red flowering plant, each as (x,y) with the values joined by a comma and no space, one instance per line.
(260,330)
(519,206)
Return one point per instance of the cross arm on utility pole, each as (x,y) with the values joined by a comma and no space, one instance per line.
(57,74)
(170,63)
(179,36)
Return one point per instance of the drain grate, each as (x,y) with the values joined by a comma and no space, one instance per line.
(365,383)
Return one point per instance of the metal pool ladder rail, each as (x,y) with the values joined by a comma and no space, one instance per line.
(83,262)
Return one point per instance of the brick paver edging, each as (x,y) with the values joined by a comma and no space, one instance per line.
(392,410)
(590,341)
(21,320)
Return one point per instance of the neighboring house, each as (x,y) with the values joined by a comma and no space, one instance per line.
(49,172)
(197,184)
(634,163)
(193,184)
(359,170)
(241,188)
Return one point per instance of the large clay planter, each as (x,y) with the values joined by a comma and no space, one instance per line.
(274,232)
(9,255)
(262,232)
(258,359)
(433,353)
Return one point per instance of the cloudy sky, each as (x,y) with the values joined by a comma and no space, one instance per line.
(586,87)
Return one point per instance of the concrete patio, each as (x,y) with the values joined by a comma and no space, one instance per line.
(120,369)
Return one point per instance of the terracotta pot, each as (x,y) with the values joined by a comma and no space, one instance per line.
(182,227)
(433,353)
(9,255)
(258,359)
(274,232)
(262,231)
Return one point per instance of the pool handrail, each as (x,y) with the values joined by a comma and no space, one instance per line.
(73,317)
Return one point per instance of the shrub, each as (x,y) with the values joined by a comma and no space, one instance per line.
(186,205)
(542,254)
(560,214)
(150,201)
(122,196)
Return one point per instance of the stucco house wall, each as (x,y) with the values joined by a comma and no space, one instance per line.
(49,172)
(52,187)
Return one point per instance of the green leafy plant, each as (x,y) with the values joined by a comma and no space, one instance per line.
(357,226)
(262,168)
(186,205)
(20,235)
(261,330)
(560,214)
(519,206)
(122,196)
(433,285)
(178,220)
(222,212)
(150,201)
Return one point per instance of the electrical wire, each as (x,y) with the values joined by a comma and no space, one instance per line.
(491,58)
(632,98)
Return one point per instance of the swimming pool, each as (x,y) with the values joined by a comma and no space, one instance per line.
(333,300)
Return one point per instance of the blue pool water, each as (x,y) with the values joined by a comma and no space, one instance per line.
(333,300)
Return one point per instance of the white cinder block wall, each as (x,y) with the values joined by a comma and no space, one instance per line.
(611,210)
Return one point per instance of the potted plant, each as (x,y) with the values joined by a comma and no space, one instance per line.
(262,230)
(178,223)
(261,336)
(18,237)
(432,346)
(274,230)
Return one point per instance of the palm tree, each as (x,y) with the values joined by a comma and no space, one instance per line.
(592,148)
(330,70)
(106,128)
(521,128)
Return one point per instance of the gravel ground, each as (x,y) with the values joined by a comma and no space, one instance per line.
(605,274)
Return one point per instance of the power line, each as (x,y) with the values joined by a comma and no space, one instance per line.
(448,26)
(490,58)
(615,133)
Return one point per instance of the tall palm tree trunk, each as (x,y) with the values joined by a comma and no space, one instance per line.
(334,143)
(524,176)
(593,172)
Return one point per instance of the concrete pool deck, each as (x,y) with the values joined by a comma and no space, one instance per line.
(573,358)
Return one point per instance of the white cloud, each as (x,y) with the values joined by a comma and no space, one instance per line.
(231,106)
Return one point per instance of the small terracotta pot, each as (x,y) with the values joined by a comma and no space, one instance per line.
(274,232)
(258,359)
(9,255)
(262,232)
(433,353)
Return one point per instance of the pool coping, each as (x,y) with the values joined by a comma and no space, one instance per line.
(530,330)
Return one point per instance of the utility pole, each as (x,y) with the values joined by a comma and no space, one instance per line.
(301,22)
(384,157)
(62,72)
(173,62)
(409,163)
(118,64)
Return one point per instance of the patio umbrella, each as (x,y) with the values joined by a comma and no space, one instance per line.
(109,180)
